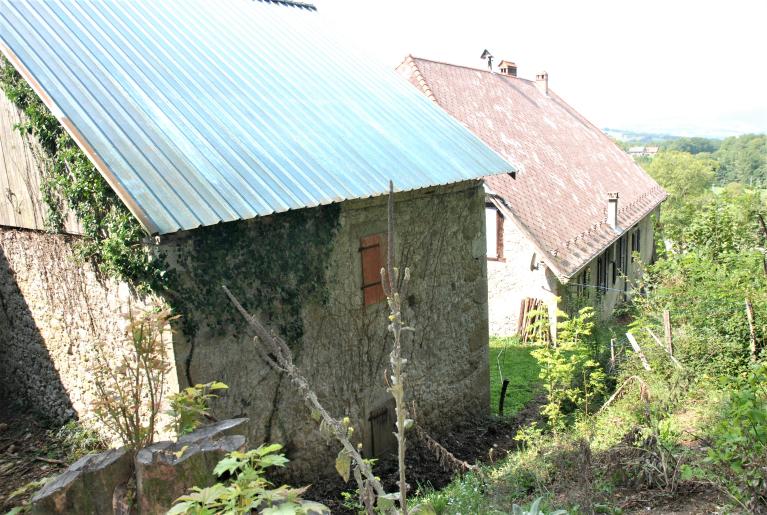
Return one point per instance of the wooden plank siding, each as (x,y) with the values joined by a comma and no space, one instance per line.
(21,202)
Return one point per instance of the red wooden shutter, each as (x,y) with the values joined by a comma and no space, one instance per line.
(371,254)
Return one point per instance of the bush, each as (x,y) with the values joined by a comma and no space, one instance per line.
(189,407)
(739,446)
(131,384)
(245,489)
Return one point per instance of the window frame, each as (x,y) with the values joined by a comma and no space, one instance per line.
(499,223)
(369,244)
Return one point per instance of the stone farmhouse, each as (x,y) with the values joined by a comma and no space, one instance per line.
(569,223)
(254,151)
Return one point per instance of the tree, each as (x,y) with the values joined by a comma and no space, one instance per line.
(688,180)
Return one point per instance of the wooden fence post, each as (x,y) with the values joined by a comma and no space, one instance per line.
(751,330)
(638,350)
(667,330)
(612,354)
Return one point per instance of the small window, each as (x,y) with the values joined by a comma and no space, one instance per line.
(602,272)
(372,258)
(494,222)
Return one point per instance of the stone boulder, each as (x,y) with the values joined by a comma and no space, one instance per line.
(167,470)
(87,486)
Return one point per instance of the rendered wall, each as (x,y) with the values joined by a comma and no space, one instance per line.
(521,275)
(341,346)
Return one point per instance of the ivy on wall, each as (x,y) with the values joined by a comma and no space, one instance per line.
(274,265)
(112,237)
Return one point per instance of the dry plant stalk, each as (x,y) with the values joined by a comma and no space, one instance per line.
(130,392)
(278,355)
(395,290)
(275,352)
(446,459)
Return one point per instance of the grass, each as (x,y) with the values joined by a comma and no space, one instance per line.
(519,367)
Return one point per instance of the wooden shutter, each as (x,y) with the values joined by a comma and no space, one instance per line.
(372,258)
(498,235)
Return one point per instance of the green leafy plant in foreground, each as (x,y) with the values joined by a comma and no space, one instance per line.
(246,488)
(570,373)
(739,446)
(189,408)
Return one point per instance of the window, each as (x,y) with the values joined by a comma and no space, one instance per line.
(614,262)
(602,272)
(624,254)
(636,241)
(372,258)
(494,222)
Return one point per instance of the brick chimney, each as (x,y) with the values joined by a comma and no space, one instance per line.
(542,82)
(508,68)
(612,210)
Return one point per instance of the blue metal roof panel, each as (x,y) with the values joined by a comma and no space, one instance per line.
(199,112)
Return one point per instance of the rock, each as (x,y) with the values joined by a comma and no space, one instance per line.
(166,470)
(232,426)
(87,486)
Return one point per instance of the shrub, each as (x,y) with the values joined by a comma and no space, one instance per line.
(189,407)
(246,489)
(73,441)
(739,446)
(130,381)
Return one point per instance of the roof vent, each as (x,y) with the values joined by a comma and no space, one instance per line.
(612,210)
(542,82)
(508,68)
(489,57)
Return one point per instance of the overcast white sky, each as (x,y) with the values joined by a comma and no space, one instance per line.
(676,66)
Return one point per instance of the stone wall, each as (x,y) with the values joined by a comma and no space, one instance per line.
(56,314)
(341,346)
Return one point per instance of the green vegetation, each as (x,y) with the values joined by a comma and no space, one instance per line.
(244,488)
(189,408)
(512,360)
(112,237)
(699,427)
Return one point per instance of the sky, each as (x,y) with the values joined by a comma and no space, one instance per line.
(688,68)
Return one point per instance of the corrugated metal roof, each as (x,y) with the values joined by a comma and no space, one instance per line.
(198,112)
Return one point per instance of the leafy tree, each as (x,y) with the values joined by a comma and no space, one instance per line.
(688,180)
(694,145)
(743,159)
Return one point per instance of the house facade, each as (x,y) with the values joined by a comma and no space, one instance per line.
(577,219)
(248,172)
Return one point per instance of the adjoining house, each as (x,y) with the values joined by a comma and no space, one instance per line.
(643,151)
(567,226)
(255,153)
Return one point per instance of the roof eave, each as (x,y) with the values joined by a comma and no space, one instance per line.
(82,143)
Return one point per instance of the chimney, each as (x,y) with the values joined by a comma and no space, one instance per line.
(508,68)
(542,83)
(612,210)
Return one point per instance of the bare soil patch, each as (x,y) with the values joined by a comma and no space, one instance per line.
(27,454)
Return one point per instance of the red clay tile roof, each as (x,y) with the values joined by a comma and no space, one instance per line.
(567,165)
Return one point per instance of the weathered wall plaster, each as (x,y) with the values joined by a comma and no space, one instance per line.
(523,274)
(343,347)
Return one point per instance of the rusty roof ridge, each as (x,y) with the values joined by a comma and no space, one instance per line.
(634,203)
(472,68)
(420,78)
(291,3)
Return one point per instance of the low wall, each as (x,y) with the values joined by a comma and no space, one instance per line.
(56,314)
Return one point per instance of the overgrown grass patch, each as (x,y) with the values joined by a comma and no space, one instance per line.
(511,360)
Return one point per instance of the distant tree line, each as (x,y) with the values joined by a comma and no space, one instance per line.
(741,159)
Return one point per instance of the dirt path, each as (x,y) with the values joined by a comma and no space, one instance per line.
(27,454)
